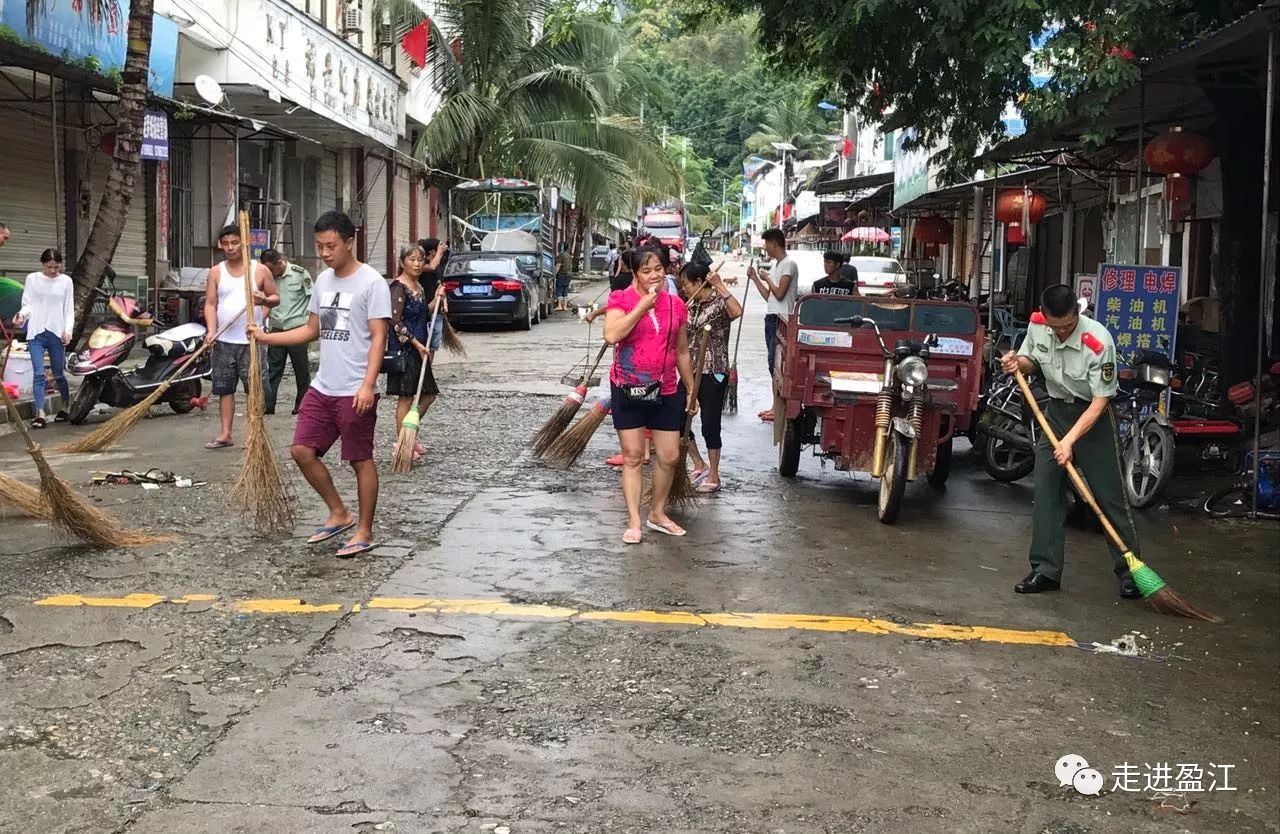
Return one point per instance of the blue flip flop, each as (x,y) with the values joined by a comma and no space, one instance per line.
(355,549)
(326,533)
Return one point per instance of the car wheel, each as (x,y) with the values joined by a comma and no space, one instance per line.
(537,311)
(526,323)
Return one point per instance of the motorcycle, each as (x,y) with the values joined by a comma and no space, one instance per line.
(1146,435)
(1010,430)
(111,343)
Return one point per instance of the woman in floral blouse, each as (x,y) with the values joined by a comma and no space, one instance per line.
(710,303)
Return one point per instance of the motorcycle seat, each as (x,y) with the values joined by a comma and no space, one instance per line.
(176,341)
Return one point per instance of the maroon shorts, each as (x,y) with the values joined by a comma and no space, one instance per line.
(323,419)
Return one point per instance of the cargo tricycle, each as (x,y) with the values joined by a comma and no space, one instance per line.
(877,385)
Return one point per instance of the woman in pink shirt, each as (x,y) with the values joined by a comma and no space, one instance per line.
(652,374)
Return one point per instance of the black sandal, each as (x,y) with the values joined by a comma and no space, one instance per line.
(39,423)
(61,417)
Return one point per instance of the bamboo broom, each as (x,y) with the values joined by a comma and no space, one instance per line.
(113,431)
(559,421)
(26,498)
(449,338)
(1154,589)
(568,447)
(731,395)
(260,491)
(402,459)
(68,512)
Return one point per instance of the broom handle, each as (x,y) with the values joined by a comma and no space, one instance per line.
(742,319)
(248,274)
(703,338)
(599,355)
(1081,486)
(422,372)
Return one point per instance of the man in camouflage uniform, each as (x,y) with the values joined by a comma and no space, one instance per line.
(1077,359)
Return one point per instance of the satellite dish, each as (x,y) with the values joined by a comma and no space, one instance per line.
(209,90)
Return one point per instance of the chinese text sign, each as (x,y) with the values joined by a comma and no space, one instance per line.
(1139,306)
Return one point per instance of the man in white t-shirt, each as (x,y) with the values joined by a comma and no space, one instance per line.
(349,310)
(778,286)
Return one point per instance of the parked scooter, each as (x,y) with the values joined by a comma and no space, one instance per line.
(110,344)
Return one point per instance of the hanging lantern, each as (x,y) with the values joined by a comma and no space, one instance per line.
(1014,236)
(1019,206)
(1178,151)
(932,232)
(1177,154)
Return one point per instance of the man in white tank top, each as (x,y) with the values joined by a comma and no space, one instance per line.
(224,302)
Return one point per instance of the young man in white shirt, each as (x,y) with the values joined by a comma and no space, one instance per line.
(349,313)
(778,286)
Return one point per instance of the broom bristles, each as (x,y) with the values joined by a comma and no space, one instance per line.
(731,394)
(682,494)
(111,432)
(261,490)
(1168,602)
(402,460)
(559,421)
(567,448)
(451,341)
(25,497)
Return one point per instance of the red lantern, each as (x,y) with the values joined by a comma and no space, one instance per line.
(1014,236)
(932,230)
(1009,206)
(1178,151)
(107,144)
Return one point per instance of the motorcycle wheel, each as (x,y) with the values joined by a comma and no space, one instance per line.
(789,449)
(87,396)
(941,467)
(180,400)
(1148,464)
(893,482)
(1002,460)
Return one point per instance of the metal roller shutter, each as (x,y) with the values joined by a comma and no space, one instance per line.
(32,203)
(402,206)
(375,213)
(131,253)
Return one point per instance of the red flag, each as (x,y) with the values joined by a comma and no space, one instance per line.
(415,42)
(846,148)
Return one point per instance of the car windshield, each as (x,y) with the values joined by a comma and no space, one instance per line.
(664,231)
(943,319)
(878,265)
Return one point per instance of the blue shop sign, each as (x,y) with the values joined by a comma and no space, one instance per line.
(1139,306)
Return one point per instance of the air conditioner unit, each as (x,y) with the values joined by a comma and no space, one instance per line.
(351,20)
(386,35)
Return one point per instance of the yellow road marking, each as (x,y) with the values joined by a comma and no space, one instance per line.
(502,608)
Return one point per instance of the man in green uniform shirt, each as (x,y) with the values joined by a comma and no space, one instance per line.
(1077,359)
(294,285)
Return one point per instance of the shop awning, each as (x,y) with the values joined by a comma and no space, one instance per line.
(947,199)
(853,184)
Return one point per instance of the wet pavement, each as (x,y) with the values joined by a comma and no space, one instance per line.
(490,668)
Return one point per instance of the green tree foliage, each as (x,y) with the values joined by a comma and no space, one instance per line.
(949,68)
(547,105)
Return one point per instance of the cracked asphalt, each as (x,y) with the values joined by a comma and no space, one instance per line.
(195,717)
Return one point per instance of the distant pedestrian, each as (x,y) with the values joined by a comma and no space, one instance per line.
(293,285)
(710,304)
(350,307)
(611,259)
(4,234)
(49,312)
(411,311)
(779,287)
(224,302)
(563,268)
(843,282)
(651,377)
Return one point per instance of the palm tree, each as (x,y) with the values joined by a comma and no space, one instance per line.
(802,128)
(126,162)
(544,106)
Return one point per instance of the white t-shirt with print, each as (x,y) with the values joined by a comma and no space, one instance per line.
(345,307)
(784,307)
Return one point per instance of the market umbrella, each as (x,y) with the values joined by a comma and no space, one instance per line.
(10,298)
(867,234)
